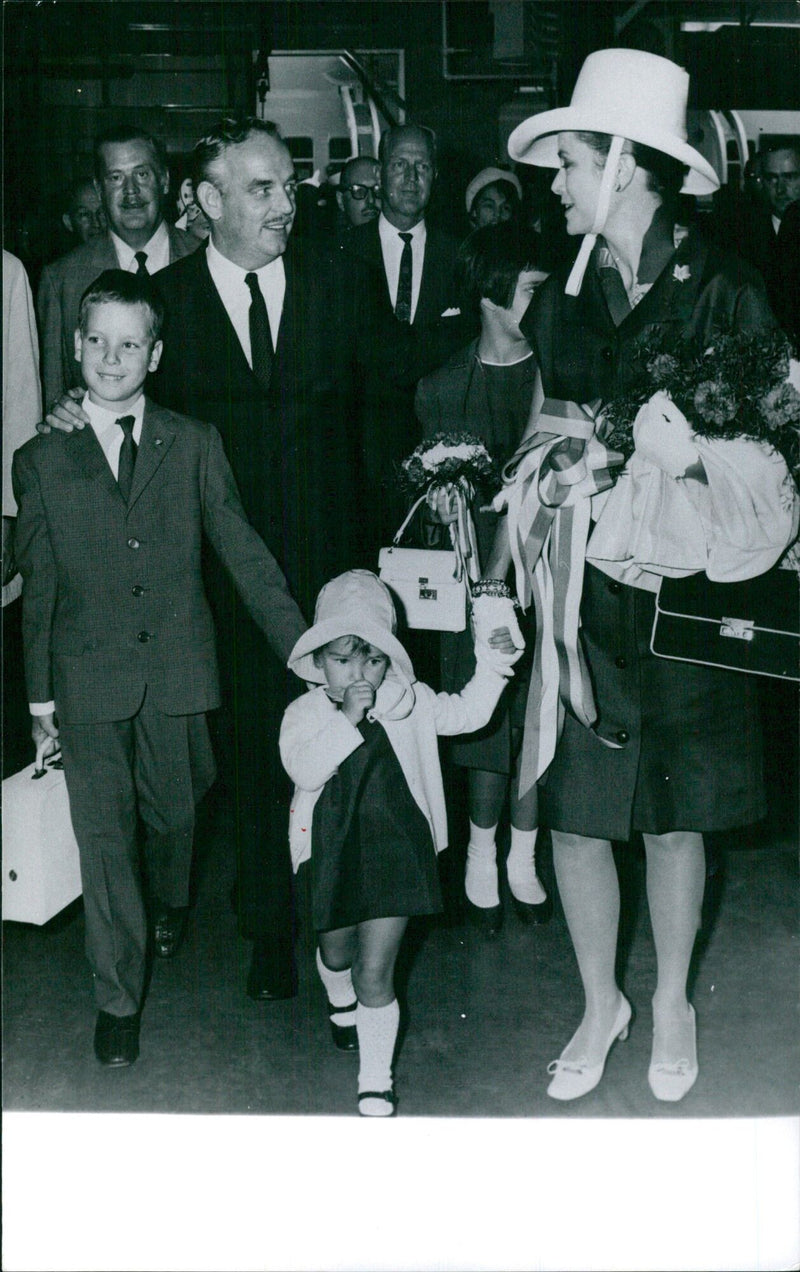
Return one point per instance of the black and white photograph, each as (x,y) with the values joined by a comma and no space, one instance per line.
(401,635)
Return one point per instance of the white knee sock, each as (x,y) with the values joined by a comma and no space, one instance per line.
(339,988)
(480,882)
(377,1033)
(521,867)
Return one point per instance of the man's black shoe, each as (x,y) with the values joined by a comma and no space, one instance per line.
(169,929)
(270,978)
(116,1039)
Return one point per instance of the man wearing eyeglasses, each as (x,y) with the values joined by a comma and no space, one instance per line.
(414,316)
(359,193)
(131,178)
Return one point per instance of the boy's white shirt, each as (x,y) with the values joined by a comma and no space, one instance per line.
(316,738)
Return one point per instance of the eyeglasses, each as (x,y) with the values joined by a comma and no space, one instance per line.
(772,178)
(360,192)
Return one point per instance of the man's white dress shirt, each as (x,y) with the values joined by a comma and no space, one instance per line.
(235,293)
(392,248)
(157,249)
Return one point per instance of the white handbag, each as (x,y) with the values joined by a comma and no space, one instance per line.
(429,585)
(41,866)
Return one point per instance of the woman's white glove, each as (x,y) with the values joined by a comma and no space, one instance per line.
(662,436)
(499,643)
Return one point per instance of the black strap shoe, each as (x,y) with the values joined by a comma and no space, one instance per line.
(345,1037)
(116,1039)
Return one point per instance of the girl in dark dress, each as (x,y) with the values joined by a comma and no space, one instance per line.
(487,389)
(368,807)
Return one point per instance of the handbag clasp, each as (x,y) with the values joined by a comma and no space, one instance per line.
(737,628)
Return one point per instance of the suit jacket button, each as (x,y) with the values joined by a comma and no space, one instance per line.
(618,662)
(607,354)
(614,587)
(133,543)
(137,590)
(623,736)
(144,637)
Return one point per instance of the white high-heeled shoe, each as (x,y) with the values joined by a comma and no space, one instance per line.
(573,1078)
(671,1079)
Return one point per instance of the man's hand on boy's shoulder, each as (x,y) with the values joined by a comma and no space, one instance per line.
(66,414)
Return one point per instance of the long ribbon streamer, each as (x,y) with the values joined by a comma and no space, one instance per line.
(548,485)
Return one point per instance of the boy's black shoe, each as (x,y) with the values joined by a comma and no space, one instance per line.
(116,1039)
(169,929)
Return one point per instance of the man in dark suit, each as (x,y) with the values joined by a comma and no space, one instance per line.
(414,318)
(257,342)
(119,640)
(131,178)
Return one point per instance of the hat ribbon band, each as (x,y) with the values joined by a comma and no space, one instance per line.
(575,280)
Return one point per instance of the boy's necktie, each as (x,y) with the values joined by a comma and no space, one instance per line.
(402,310)
(141,268)
(127,456)
(261,351)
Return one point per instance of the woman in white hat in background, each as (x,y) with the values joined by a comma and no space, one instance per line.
(674,749)
(493,197)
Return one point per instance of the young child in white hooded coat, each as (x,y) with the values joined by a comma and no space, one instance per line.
(369,808)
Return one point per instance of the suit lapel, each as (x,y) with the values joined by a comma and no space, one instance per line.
(87,455)
(218,313)
(154,444)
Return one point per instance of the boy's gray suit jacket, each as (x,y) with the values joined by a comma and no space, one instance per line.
(113,598)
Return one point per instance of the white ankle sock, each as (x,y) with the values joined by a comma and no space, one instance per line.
(521,867)
(480,882)
(377,1033)
(339,988)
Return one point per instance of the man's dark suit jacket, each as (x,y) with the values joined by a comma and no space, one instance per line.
(394,357)
(62,284)
(113,602)
(292,447)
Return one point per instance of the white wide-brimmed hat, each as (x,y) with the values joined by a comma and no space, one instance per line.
(357,603)
(488,176)
(625,93)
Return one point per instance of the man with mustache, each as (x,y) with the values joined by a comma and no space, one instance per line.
(131,178)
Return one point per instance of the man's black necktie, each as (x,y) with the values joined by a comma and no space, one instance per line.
(261,351)
(141,268)
(127,456)
(402,310)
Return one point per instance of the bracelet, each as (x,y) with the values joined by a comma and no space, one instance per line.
(491,587)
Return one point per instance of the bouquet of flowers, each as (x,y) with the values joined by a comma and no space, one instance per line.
(458,459)
(735,386)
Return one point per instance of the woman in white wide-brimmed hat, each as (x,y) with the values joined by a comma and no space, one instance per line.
(667,749)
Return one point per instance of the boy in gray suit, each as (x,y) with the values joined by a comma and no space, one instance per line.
(119,640)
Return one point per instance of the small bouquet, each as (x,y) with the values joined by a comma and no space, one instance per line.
(736,386)
(458,459)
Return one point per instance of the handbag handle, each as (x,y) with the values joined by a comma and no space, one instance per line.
(396,540)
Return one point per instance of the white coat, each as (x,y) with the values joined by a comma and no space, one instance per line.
(316,737)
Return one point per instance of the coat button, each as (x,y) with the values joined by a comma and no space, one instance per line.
(133,543)
(618,662)
(137,590)
(614,587)
(623,736)
(144,637)
(607,354)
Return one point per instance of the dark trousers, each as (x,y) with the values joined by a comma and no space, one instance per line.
(254,789)
(154,767)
